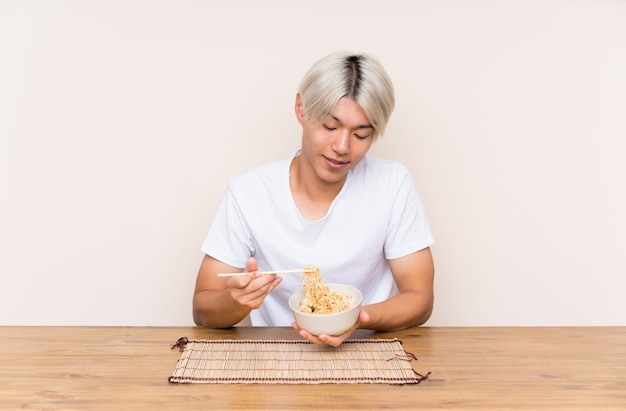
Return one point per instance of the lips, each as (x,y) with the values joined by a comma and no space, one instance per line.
(336,163)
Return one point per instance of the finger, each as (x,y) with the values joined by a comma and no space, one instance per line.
(307,335)
(310,337)
(330,340)
(254,294)
(334,341)
(265,283)
(364,316)
(252,265)
(240,281)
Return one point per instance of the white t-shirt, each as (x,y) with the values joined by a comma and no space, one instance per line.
(376,216)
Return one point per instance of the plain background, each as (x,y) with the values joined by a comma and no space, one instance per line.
(121,122)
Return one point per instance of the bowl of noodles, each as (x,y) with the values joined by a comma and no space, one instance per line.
(321,308)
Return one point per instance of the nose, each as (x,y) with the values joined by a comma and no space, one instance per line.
(341,143)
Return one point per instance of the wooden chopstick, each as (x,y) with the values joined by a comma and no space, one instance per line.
(298,270)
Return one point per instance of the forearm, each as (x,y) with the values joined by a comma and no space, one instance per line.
(404,310)
(216,309)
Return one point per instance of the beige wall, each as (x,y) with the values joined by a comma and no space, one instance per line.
(120,122)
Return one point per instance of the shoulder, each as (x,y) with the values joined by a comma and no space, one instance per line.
(374,168)
(269,173)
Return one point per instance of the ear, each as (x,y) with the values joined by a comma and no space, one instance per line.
(299,109)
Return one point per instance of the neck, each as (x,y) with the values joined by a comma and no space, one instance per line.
(312,196)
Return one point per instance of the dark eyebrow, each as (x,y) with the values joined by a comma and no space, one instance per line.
(359,126)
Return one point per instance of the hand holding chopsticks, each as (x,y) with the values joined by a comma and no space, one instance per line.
(298,270)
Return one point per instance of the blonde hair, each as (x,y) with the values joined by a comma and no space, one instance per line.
(357,76)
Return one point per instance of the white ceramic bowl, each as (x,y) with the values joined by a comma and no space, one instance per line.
(330,324)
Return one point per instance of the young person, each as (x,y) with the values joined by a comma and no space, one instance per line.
(358,218)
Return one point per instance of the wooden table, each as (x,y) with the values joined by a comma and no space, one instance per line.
(497,368)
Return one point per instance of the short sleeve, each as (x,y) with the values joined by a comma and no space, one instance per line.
(229,239)
(409,230)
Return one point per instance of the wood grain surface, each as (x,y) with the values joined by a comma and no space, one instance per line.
(491,368)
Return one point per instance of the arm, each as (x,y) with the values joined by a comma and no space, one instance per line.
(414,275)
(221,302)
(413,305)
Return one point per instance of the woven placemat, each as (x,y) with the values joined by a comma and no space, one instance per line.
(294,362)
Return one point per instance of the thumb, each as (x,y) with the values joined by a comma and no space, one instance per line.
(252,265)
(364,316)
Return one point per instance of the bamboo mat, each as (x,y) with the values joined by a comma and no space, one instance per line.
(294,362)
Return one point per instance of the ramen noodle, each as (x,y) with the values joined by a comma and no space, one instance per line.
(319,298)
